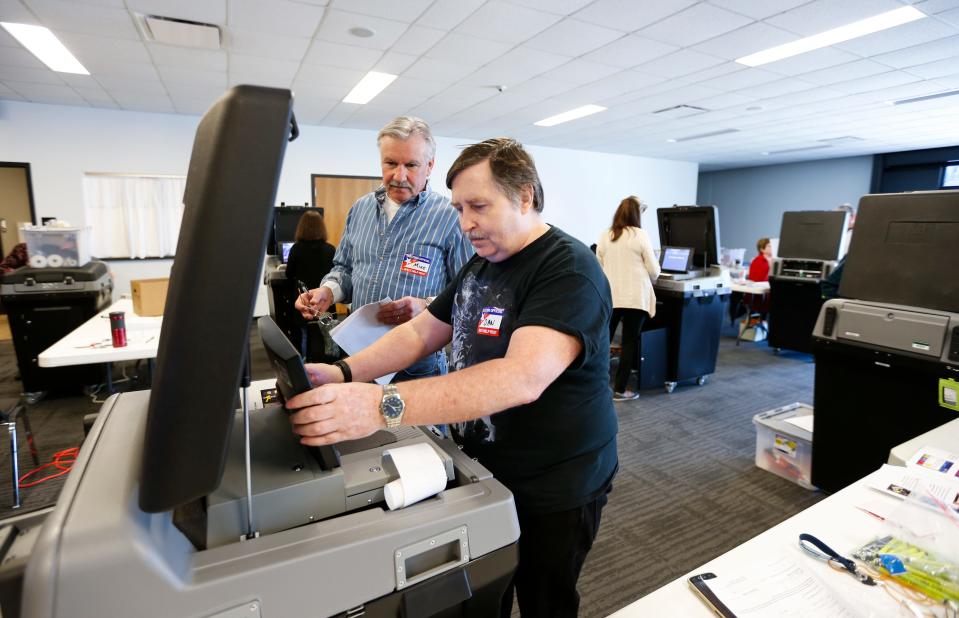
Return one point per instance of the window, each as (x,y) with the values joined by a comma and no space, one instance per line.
(133,216)
(950,176)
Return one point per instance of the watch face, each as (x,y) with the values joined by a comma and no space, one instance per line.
(392,406)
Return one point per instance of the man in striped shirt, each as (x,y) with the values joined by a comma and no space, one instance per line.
(402,242)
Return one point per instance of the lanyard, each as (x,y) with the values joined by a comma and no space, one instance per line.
(830,555)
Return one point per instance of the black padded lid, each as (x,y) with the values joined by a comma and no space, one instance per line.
(812,234)
(904,250)
(91,271)
(228,203)
(691,226)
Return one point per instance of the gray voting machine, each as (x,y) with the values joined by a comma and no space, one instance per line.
(154,518)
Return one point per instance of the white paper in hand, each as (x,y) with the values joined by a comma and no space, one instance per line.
(421,471)
(359,330)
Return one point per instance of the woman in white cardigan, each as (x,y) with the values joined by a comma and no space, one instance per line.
(630,265)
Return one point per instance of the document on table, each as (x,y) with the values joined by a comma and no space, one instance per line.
(360,330)
(777,587)
(937,460)
(933,489)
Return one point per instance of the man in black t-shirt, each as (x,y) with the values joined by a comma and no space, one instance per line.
(528,319)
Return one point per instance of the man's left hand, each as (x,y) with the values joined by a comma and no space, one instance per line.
(336,412)
(402,310)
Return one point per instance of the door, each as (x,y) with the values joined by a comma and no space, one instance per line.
(336,194)
(16,202)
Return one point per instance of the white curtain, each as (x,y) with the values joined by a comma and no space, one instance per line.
(133,216)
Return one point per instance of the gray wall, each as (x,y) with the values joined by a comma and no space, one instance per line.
(752,200)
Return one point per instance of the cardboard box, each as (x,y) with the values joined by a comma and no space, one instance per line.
(149,296)
(782,447)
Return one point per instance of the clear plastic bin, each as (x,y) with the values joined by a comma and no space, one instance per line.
(56,247)
(782,447)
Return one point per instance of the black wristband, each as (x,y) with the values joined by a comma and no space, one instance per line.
(347,373)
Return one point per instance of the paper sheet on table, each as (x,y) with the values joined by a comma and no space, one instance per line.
(359,330)
(777,587)
(803,422)
(935,459)
(936,491)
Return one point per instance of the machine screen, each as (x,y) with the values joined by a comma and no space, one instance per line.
(676,259)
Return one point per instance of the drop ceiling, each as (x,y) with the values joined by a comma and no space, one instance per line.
(478,68)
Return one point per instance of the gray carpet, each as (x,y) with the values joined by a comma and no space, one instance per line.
(687,490)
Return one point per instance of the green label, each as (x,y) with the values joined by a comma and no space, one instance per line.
(949,393)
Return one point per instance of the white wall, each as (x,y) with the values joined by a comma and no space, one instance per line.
(752,200)
(61,143)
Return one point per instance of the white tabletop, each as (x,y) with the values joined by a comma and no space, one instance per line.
(750,287)
(91,342)
(835,520)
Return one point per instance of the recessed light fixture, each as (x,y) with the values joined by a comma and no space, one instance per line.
(371,85)
(876,23)
(925,97)
(754,108)
(572,114)
(689,138)
(362,32)
(800,149)
(45,45)
(671,140)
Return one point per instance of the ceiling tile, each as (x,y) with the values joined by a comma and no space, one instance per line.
(934,7)
(580,72)
(906,91)
(206,59)
(950,17)
(740,79)
(14,11)
(821,15)
(469,50)
(95,96)
(19,57)
(630,51)
(417,40)
(506,22)
(758,9)
(932,70)
(85,46)
(394,63)
(207,12)
(266,45)
(921,54)
(433,68)
(843,72)
(629,15)
(907,35)
(194,106)
(560,7)
(192,77)
(876,82)
(624,82)
(516,66)
(116,69)
(540,87)
(134,101)
(336,28)
(343,56)
(63,16)
(339,113)
(407,11)
(276,17)
(573,38)
(447,14)
(194,91)
(144,86)
(811,61)
(746,40)
(776,88)
(42,92)
(261,71)
(680,63)
(30,76)
(694,25)
(418,89)
(313,111)
(330,76)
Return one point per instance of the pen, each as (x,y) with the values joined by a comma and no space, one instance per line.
(303,289)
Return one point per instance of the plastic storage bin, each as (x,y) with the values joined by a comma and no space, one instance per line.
(57,247)
(782,447)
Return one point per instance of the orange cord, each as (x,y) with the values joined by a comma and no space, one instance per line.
(62,460)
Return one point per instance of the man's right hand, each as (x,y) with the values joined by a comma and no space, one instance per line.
(321,373)
(314,302)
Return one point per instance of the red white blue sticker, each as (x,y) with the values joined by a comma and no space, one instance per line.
(415,265)
(490,321)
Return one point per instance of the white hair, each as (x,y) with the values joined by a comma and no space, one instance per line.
(404,127)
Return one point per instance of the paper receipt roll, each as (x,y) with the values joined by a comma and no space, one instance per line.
(421,474)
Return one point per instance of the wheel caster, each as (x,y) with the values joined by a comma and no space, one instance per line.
(777,350)
(670,387)
(701,380)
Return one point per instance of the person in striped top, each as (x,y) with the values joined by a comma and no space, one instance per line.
(401,242)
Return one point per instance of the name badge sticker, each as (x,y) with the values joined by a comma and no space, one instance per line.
(416,265)
(490,321)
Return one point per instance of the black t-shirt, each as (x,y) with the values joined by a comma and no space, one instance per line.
(558,452)
(309,261)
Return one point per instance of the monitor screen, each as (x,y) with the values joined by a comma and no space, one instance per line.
(285,251)
(285,220)
(230,190)
(676,259)
(691,226)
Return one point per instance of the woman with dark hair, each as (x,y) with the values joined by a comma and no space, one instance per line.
(311,257)
(630,265)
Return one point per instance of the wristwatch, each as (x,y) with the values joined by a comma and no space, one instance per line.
(392,406)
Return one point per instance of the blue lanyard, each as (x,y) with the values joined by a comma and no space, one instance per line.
(830,555)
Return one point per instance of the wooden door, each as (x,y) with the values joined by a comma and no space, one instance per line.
(335,194)
(16,202)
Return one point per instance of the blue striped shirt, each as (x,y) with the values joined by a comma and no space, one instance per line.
(425,233)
